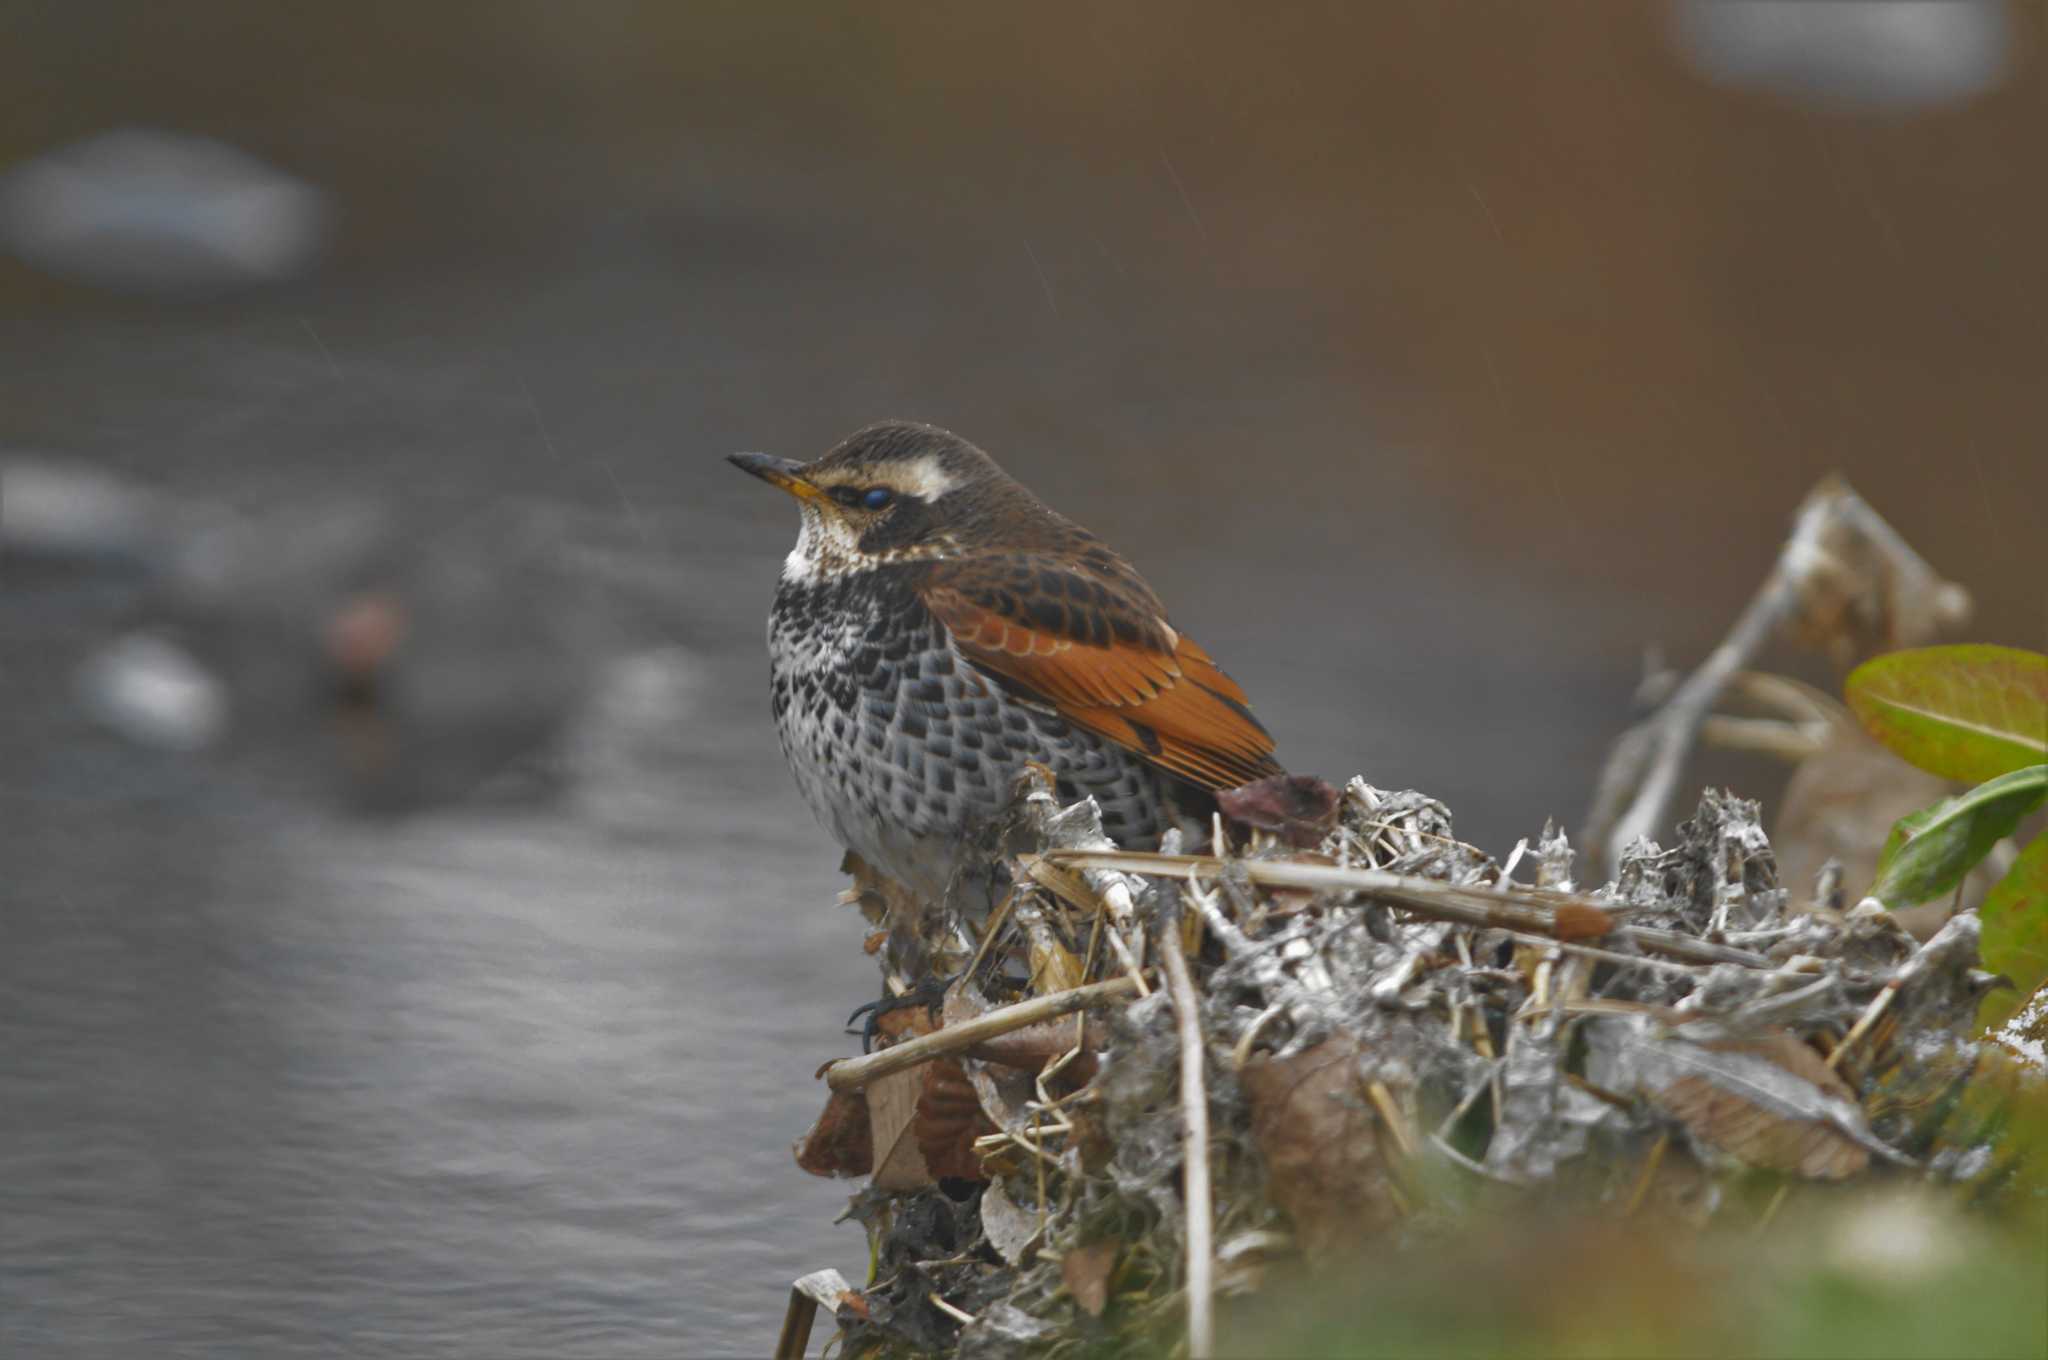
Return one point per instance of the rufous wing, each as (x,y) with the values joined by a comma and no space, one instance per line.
(1097,647)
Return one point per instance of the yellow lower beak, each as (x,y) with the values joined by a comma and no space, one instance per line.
(786,473)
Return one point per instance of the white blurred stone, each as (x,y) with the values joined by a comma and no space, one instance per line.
(1897,54)
(60,509)
(154,693)
(147,210)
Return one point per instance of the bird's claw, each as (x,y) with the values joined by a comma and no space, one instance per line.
(929,993)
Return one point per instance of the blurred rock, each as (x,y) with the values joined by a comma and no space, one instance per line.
(154,693)
(1876,54)
(51,508)
(149,211)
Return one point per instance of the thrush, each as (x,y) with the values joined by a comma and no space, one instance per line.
(937,627)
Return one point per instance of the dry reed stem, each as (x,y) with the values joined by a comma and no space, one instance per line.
(1517,908)
(1194,1104)
(854,1073)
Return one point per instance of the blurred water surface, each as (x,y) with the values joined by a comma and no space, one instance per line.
(1430,363)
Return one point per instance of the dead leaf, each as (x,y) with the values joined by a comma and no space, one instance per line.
(892,1110)
(1031,1048)
(1010,1227)
(1298,808)
(1724,1105)
(841,1143)
(1321,1141)
(1091,1140)
(947,1122)
(1086,1272)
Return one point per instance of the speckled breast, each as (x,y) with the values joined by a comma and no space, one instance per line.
(903,749)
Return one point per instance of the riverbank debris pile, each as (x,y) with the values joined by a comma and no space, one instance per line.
(1155,1080)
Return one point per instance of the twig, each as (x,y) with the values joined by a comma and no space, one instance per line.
(1791,742)
(1194,1109)
(1649,1173)
(854,1073)
(1838,544)
(1777,1202)
(1471,1098)
(1241,1053)
(1397,1124)
(1515,908)
(1457,1158)
(1870,1016)
(1959,932)
(989,931)
(819,1287)
(1691,970)
(959,1315)
(1109,901)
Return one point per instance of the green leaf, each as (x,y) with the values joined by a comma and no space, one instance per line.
(1930,851)
(1967,713)
(2015,917)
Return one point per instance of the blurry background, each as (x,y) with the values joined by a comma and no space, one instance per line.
(413,943)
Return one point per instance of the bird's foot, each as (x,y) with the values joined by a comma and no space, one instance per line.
(930,992)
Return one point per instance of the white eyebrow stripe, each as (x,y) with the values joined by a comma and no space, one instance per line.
(925,477)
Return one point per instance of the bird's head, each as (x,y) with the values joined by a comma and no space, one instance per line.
(894,492)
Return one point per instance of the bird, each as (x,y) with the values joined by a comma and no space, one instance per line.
(937,627)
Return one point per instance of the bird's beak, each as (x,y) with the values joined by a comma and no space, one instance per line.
(786,473)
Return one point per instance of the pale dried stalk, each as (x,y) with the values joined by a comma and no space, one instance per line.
(1109,901)
(825,1287)
(1791,742)
(1194,1107)
(1516,908)
(854,1073)
(1837,541)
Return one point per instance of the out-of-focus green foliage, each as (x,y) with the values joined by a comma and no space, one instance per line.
(1930,851)
(1864,1272)
(2015,916)
(1967,713)
(1972,712)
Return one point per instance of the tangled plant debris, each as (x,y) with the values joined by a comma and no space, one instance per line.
(1152,1081)
(1380,1017)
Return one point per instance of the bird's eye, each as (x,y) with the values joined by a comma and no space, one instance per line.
(877,497)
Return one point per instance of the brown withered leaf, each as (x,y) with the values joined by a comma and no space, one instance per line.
(948,1120)
(903,1022)
(1091,1139)
(892,1110)
(841,1143)
(1006,1092)
(1086,1271)
(1725,1106)
(1298,808)
(1321,1141)
(1029,1050)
